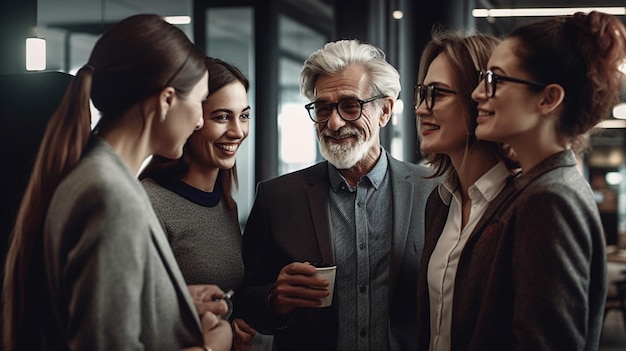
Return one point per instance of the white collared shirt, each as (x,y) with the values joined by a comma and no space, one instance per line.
(444,260)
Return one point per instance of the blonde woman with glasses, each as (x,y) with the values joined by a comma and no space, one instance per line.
(475,172)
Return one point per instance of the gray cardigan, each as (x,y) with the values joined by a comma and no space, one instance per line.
(113,281)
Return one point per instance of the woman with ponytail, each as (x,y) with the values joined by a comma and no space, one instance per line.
(89,267)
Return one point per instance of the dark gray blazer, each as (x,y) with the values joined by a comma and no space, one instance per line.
(290,221)
(532,275)
(112,277)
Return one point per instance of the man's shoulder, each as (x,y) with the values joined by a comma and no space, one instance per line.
(308,174)
(413,168)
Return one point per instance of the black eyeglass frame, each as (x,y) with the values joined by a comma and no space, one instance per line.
(491,79)
(310,107)
(434,90)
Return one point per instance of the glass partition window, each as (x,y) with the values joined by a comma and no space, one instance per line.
(297,139)
(297,145)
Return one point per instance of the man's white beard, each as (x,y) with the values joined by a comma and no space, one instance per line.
(345,156)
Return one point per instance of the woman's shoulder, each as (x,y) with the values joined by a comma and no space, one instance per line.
(151,186)
(163,198)
(561,190)
(101,182)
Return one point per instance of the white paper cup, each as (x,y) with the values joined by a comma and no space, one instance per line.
(327,273)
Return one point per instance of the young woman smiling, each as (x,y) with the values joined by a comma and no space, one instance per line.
(547,84)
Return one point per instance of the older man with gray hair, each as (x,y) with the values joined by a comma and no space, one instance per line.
(361,210)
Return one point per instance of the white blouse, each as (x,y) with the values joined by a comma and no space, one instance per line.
(444,260)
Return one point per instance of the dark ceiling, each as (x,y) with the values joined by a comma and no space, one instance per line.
(80,12)
(501,26)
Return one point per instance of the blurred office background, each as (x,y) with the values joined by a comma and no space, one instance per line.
(269,40)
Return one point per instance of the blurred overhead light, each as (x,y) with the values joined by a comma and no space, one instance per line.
(613,178)
(178,19)
(397,14)
(539,12)
(35,54)
(612,123)
(619,111)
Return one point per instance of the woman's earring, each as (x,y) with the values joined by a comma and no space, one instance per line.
(163,116)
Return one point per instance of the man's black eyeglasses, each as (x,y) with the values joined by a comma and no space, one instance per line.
(428,93)
(491,81)
(349,109)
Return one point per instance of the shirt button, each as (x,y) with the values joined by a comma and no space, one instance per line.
(361,204)
(363,289)
(362,333)
(362,246)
